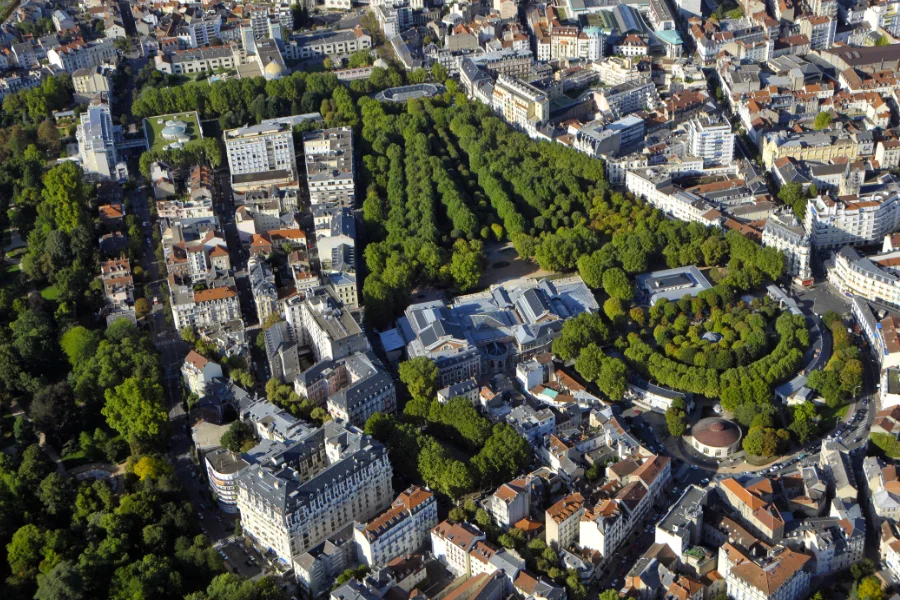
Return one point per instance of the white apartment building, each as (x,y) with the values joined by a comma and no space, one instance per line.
(451,543)
(282,352)
(80,55)
(198,60)
(329,166)
(853,220)
(883,334)
(328,330)
(399,531)
(654,184)
(198,371)
(616,70)
(308,488)
(785,233)
(855,275)
(820,30)
(521,104)
(261,153)
(223,469)
(327,43)
(97,137)
(202,32)
(604,528)
(710,139)
(203,308)
(370,389)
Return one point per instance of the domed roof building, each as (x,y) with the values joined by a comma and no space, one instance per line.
(716,437)
(273,70)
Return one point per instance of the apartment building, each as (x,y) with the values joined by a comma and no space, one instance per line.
(626,98)
(296,494)
(881,331)
(883,490)
(856,275)
(855,220)
(711,139)
(223,468)
(510,503)
(89,82)
(822,146)
(198,371)
(562,520)
(753,502)
(79,54)
(261,154)
(780,575)
(451,544)
(262,286)
(327,43)
(203,308)
(532,424)
(654,184)
(329,330)
(399,531)
(785,233)
(203,31)
(820,31)
(118,283)
(329,166)
(198,60)
(521,104)
(282,352)
(682,526)
(369,389)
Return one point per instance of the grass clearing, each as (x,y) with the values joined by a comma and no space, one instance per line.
(51,292)
(153,127)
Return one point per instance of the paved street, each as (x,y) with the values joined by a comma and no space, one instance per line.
(218,526)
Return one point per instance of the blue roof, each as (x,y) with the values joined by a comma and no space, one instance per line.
(670,36)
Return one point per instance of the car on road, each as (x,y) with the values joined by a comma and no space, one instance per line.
(694,467)
(704,481)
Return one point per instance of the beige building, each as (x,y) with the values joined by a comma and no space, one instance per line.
(89,82)
(562,519)
(819,146)
(521,104)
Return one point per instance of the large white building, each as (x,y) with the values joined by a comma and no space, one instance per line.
(852,220)
(261,154)
(329,166)
(203,308)
(521,104)
(871,278)
(369,389)
(785,233)
(82,55)
(329,330)
(710,139)
(327,43)
(399,531)
(97,137)
(297,493)
(451,543)
(654,184)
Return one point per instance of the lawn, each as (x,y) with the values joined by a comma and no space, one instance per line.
(154,126)
(74,459)
(51,292)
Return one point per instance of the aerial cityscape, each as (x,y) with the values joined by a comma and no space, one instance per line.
(450,300)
